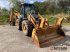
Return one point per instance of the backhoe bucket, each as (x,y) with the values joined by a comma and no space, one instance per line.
(47,36)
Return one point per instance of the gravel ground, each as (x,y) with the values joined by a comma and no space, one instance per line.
(13,40)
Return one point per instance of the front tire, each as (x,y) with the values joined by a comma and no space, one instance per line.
(27,28)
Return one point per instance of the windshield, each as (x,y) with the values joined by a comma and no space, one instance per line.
(30,10)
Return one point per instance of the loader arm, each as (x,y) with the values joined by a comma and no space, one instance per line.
(59,21)
(40,22)
(32,19)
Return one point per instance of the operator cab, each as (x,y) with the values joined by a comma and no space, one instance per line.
(28,9)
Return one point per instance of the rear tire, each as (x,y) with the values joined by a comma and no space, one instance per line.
(27,28)
(12,23)
(20,26)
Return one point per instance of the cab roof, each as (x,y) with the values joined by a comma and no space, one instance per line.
(27,4)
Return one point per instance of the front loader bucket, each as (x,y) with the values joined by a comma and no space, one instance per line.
(46,37)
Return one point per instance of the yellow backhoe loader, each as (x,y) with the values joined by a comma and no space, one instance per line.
(34,25)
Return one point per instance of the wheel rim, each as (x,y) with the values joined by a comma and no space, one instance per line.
(24,28)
